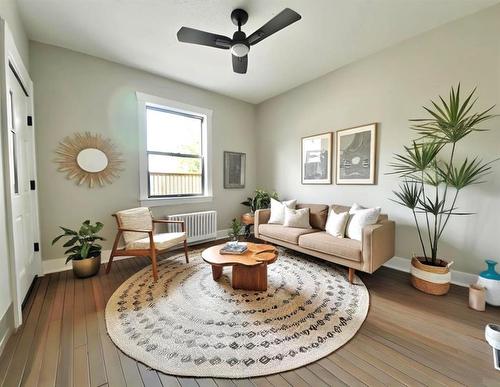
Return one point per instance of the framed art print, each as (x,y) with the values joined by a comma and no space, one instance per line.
(234,169)
(316,159)
(356,148)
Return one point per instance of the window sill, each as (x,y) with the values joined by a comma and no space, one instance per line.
(158,202)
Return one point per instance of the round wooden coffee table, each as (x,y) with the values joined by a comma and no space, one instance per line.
(249,268)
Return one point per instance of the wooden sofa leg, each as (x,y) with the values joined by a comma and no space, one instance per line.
(351,275)
(186,251)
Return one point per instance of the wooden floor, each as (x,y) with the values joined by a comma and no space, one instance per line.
(409,338)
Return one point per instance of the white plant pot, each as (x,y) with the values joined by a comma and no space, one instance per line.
(492,335)
(492,290)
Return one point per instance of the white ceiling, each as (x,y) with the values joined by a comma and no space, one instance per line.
(142,34)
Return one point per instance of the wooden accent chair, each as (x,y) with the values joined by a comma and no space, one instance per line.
(136,226)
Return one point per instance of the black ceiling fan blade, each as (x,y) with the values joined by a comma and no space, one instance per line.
(240,64)
(194,36)
(280,21)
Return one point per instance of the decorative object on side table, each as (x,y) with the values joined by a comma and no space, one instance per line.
(84,252)
(234,169)
(430,186)
(356,155)
(490,280)
(248,220)
(477,297)
(316,154)
(88,158)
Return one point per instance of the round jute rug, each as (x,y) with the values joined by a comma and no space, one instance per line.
(187,324)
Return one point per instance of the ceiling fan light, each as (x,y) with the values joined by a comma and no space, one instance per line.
(239,49)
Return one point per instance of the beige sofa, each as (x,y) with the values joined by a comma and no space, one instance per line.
(376,247)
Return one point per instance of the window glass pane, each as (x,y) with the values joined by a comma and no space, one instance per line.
(173,175)
(174,164)
(173,133)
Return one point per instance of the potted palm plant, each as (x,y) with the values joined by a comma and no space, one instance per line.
(433,178)
(84,252)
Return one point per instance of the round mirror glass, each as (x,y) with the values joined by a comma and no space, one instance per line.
(92,160)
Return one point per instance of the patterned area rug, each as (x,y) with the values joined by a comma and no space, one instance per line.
(189,325)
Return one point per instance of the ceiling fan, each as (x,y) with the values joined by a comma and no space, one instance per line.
(240,43)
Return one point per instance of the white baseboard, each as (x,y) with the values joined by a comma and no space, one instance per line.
(59,264)
(459,278)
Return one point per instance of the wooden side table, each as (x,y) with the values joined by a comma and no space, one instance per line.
(248,220)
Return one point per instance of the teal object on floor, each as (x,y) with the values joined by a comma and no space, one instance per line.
(490,273)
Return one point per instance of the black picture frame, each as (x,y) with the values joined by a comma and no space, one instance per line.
(234,170)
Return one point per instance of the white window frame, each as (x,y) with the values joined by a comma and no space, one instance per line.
(145,100)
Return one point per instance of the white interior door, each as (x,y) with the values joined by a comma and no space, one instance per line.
(22,180)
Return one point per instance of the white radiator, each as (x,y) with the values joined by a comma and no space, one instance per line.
(200,226)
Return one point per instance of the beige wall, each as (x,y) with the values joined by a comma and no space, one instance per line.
(76,92)
(389,88)
(10,12)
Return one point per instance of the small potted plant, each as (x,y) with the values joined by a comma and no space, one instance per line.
(433,178)
(83,250)
(235,230)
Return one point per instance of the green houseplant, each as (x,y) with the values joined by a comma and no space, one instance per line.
(83,250)
(261,199)
(433,178)
(235,230)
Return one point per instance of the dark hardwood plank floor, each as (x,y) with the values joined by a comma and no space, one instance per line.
(408,339)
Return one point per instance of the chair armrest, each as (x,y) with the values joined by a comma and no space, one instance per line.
(378,244)
(261,217)
(168,221)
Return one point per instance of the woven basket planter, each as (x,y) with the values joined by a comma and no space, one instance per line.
(430,279)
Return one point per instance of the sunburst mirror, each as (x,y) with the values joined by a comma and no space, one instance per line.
(89,159)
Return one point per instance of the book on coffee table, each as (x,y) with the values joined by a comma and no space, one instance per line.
(234,249)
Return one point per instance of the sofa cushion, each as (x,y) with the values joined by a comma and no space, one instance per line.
(317,214)
(285,234)
(297,218)
(278,210)
(328,244)
(338,208)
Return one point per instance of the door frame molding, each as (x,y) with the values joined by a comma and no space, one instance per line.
(11,61)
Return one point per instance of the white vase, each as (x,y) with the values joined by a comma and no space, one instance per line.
(492,290)
(490,280)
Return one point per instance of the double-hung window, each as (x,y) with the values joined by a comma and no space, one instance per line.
(174,155)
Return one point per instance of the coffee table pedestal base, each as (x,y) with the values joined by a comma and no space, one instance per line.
(245,277)
(250,277)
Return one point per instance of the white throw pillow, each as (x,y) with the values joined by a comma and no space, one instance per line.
(356,207)
(297,218)
(359,219)
(278,210)
(336,223)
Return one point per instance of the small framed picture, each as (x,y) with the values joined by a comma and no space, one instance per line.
(234,169)
(356,155)
(316,159)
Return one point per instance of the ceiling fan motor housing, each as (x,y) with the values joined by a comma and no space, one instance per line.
(239,47)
